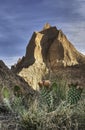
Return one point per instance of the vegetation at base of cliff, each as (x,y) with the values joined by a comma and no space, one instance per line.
(56,108)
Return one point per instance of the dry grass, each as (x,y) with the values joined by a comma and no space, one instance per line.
(58,114)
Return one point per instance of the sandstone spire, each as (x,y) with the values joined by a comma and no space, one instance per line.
(46,26)
(47,50)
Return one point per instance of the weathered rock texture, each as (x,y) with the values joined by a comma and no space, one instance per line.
(8,119)
(9,122)
(48,50)
(10,80)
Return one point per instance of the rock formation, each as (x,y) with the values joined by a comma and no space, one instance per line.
(10,80)
(47,51)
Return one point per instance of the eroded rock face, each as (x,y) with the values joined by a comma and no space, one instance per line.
(10,80)
(47,49)
(33,74)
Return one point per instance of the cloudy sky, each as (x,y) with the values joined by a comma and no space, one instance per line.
(20,18)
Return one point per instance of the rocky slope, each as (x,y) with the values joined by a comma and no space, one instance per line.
(9,120)
(49,52)
(10,80)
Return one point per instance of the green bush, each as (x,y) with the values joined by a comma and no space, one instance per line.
(59,91)
(52,109)
(51,98)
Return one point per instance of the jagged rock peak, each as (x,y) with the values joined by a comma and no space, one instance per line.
(48,50)
(49,46)
(46,26)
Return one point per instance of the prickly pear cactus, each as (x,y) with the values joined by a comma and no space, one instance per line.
(17,91)
(5,92)
(74,94)
(46,98)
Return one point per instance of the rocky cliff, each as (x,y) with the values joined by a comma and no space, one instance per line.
(48,51)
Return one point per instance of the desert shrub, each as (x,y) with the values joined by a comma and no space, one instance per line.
(17,105)
(59,91)
(52,97)
(64,116)
(53,109)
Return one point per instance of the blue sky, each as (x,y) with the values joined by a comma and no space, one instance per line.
(20,18)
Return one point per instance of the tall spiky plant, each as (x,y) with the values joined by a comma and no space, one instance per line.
(74,94)
(54,95)
(46,98)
